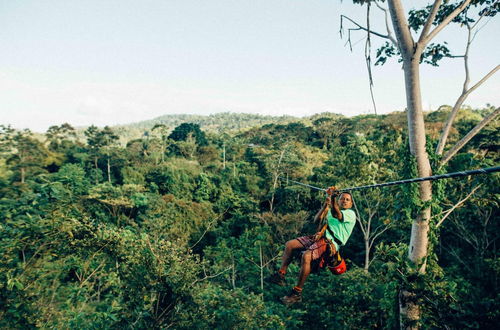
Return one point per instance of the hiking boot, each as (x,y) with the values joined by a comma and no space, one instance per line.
(292,298)
(276,278)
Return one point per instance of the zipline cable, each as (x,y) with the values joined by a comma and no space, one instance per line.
(487,170)
(304,184)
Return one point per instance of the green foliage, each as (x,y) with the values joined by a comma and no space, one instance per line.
(230,309)
(183,131)
(24,155)
(73,177)
(353,300)
(385,52)
(178,238)
(173,180)
(132,176)
(59,137)
(435,52)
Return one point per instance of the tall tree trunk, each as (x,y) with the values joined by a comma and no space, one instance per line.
(419,240)
(23,174)
(109,171)
(411,51)
(224,155)
(275,179)
(261,270)
(96,169)
(367,253)
(233,277)
(416,130)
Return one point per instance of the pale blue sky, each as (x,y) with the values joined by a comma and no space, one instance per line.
(120,61)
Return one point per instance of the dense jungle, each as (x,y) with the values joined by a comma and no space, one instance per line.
(175,224)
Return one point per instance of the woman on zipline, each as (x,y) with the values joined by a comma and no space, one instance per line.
(318,250)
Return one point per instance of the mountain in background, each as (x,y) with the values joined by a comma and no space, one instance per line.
(217,123)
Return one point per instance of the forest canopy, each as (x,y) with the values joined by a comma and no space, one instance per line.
(178,225)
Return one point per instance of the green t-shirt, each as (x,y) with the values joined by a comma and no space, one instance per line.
(342,229)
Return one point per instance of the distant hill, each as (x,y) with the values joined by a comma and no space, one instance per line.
(239,122)
(214,122)
(219,122)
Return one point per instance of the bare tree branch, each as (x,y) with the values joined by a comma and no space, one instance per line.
(465,90)
(368,58)
(208,227)
(480,82)
(362,27)
(378,234)
(430,20)
(91,274)
(447,213)
(458,104)
(210,276)
(358,217)
(475,24)
(459,145)
(454,253)
(445,22)
(263,265)
(386,17)
(276,175)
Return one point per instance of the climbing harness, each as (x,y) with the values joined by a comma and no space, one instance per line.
(338,265)
(334,262)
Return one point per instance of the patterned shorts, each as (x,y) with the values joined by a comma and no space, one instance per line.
(320,251)
(318,248)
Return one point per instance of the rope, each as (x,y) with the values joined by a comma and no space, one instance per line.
(427,178)
(303,184)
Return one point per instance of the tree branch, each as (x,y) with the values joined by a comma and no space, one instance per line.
(362,27)
(475,24)
(459,145)
(368,47)
(91,274)
(210,276)
(378,234)
(208,227)
(430,20)
(386,18)
(358,217)
(263,265)
(456,206)
(465,92)
(480,82)
(445,22)
(456,255)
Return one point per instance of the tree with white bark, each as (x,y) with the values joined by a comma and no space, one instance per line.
(410,38)
(368,216)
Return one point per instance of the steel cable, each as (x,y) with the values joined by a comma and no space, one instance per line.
(487,170)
